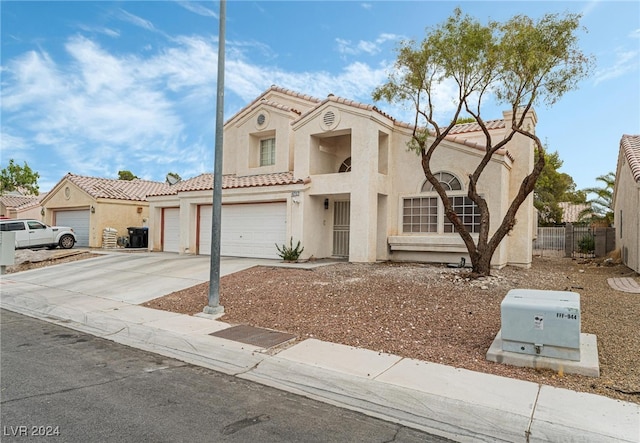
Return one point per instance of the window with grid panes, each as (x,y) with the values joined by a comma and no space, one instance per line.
(468,212)
(420,214)
(268,152)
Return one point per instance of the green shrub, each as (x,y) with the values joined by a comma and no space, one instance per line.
(587,244)
(289,253)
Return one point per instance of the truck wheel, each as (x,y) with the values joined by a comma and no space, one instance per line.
(67,241)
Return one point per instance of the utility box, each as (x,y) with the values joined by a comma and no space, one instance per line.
(7,249)
(544,323)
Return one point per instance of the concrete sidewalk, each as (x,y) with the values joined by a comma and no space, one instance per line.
(101,296)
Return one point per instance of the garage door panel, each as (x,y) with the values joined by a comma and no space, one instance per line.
(171,230)
(247,230)
(79,221)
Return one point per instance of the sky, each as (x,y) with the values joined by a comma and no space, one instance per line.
(93,87)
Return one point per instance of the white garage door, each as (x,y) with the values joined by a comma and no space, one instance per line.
(171,230)
(248,230)
(79,221)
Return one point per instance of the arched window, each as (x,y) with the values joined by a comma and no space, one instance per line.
(449,181)
(426,213)
(345,166)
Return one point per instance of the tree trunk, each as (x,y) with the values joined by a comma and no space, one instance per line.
(481,263)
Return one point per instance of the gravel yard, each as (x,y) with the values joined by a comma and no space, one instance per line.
(427,312)
(432,313)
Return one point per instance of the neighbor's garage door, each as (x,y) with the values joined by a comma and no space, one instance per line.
(248,230)
(171,229)
(79,221)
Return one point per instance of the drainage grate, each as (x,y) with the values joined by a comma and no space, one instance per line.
(264,338)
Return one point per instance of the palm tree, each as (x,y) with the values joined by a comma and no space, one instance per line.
(601,209)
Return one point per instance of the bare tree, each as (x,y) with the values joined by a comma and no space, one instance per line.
(520,62)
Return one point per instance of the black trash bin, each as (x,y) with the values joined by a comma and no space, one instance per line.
(138,237)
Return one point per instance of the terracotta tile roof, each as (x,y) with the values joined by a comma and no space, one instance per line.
(630,145)
(457,129)
(348,102)
(261,100)
(21,201)
(571,211)
(136,190)
(475,127)
(204,182)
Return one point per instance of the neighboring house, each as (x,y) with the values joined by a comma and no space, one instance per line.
(626,201)
(336,175)
(571,211)
(91,204)
(21,206)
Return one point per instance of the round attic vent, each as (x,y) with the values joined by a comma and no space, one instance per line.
(329,118)
(261,119)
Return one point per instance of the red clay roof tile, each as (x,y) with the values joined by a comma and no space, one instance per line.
(204,182)
(630,145)
(136,190)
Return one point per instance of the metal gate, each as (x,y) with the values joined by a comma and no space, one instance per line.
(341,221)
(580,241)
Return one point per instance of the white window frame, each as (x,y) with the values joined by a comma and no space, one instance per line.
(417,215)
(268,151)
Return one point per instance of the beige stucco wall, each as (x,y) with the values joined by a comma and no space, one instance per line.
(32,212)
(627,214)
(460,161)
(117,214)
(188,202)
(383,173)
(109,213)
(242,134)
(241,153)
(57,198)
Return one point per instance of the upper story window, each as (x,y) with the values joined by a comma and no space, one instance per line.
(449,181)
(426,213)
(345,166)
(267,152)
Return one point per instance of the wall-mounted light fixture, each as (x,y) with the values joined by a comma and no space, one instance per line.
(326,203)
(93,210)
(42,211)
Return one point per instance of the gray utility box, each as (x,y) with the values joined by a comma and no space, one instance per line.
(544,323)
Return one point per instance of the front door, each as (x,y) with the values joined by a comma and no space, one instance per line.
(341,219)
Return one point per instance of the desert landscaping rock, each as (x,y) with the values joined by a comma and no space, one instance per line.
(432,313)
(427,312)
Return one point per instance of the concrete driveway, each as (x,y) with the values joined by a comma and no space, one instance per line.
(132,278)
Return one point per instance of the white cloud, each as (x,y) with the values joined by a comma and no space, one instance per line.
(635,33)
(100,30)
(589,7)
(35,79)
(106,111)
(103,109)
(625,61)
(12,143)
(363,46)
(137,21)
(198,8)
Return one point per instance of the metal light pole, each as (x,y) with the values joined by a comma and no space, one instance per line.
(214,306)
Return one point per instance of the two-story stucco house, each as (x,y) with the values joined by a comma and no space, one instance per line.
(337,175)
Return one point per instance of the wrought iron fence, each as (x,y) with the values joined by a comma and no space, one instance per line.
(550,239)
(575,241)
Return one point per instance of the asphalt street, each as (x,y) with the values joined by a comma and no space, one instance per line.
(58,384)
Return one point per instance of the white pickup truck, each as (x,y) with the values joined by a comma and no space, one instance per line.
(33,233)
